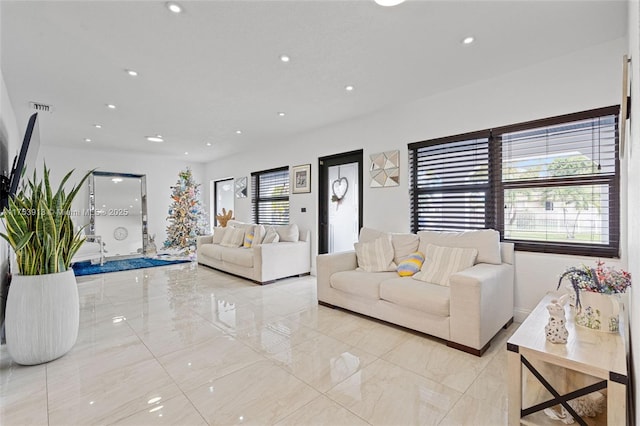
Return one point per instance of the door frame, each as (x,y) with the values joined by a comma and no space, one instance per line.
(323,192)
(214,221)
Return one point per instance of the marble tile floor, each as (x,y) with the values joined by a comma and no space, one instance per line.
(188,345)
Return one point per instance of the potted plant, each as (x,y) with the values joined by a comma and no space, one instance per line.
(594,288)
(42,315)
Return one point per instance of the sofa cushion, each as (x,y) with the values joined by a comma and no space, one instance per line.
(360,283)
(288,232)
(441,262)
(376,255)
(270,236)
(410,265)
(233,237)
(218,234)
(486,241)
(258,235)
(403,244)
(253,236)
(425,297)
(238,256)
(213,251)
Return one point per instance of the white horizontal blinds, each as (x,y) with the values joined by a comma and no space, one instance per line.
(450,183)
(270,196)
(560,183)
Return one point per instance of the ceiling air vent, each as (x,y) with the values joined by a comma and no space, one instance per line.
(40,107)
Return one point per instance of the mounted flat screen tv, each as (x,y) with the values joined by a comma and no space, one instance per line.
(24,163)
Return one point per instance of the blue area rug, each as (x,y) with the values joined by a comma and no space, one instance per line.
(86,268)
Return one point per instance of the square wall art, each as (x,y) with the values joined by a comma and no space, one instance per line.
(385,169)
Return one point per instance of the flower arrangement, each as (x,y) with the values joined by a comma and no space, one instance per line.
(601,279)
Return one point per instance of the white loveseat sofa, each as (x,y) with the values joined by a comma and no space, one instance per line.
(260,253)
(467,312)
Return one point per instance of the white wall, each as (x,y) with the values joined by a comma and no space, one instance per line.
(633,146)
(586,79)
(162,173)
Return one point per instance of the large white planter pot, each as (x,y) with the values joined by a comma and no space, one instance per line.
(42,317)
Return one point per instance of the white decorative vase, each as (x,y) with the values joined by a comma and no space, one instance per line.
(599,312)
(42,317)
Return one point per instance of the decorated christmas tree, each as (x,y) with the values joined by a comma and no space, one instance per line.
(187,218)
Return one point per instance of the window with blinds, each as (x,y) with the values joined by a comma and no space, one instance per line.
(560,184)
(549,185)
(450,186)
(270,196)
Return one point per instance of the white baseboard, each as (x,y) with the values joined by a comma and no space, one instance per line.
(520,314)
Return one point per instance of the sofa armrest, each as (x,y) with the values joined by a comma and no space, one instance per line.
(203,239)
(481,302)
(304,235)
(273,261)
(329,264)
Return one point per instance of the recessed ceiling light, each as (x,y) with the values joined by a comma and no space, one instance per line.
(111,106)
(87,140)
(116,180)
(388,3)
(186,153)
(348,88)
(238,132)
(174,7)
(132,73)
(285,58)
(468,40)
(156,138)
(281,114)
(98,126)
(208,144)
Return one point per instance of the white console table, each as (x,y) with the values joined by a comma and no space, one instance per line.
(544,374)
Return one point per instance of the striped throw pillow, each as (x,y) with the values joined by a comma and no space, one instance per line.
(376,255)
(248,238)
(410,265)
(441,262)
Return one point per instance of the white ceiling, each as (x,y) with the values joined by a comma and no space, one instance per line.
(215,68)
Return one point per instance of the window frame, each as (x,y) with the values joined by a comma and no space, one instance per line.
(257,199)
(415,192)
(494,210)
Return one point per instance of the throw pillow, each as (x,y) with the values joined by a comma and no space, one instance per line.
(233,237)
(411,265)
(258,235)
(271,237)
(376,255)
(248,238)
(218,234)
(288,232)
(441,262)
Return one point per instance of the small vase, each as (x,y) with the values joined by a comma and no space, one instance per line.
(42,317)
(599,312)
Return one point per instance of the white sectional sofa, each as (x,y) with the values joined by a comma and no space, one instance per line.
(466,308)
(260,253)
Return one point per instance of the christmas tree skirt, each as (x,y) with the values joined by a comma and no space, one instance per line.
(86,268)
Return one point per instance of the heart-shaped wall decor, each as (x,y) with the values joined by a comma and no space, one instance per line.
(339,188)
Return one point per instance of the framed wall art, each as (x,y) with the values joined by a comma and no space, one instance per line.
(301,179)
(385,169)
(241,187)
